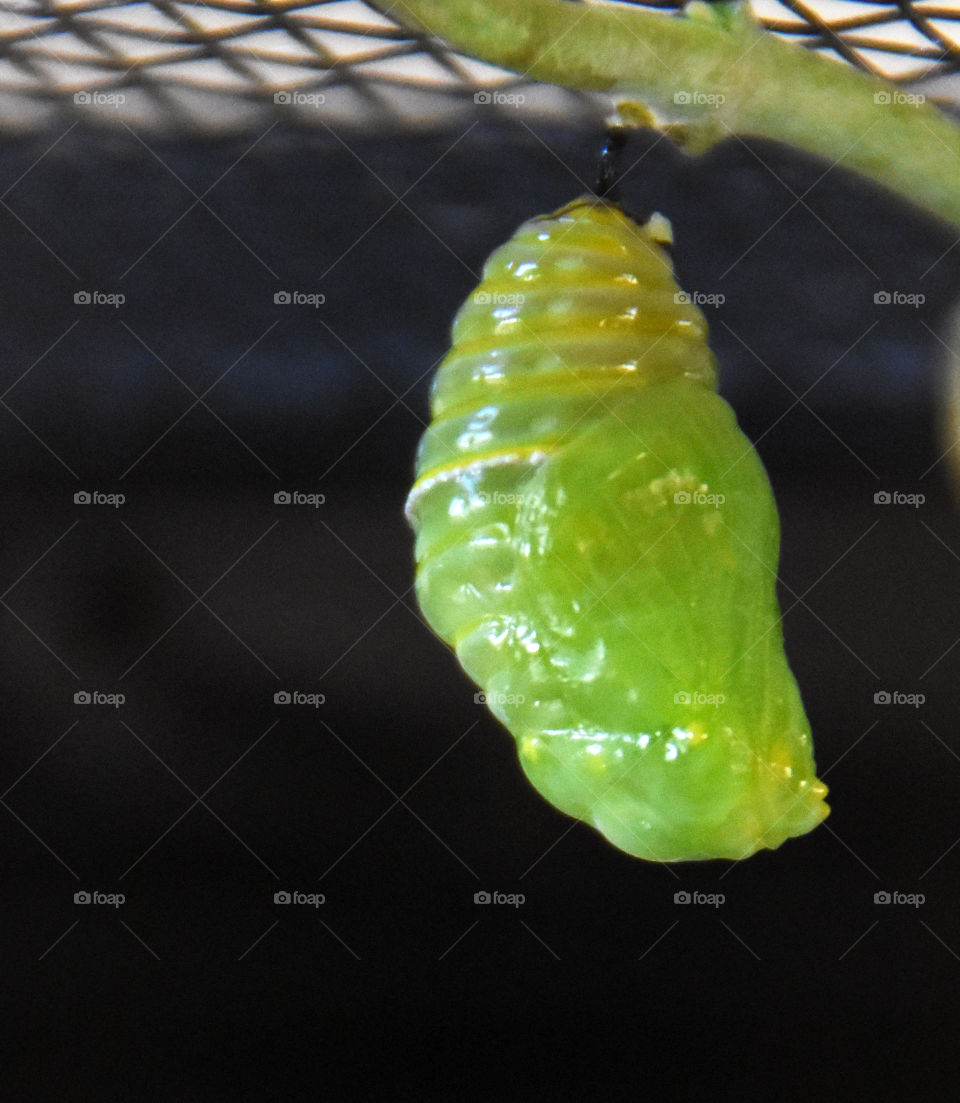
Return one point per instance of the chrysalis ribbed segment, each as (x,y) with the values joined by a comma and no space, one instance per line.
(582,301)
(598,541)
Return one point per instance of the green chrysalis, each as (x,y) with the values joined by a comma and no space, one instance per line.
(598,542)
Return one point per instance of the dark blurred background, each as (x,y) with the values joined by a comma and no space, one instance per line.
(199,398)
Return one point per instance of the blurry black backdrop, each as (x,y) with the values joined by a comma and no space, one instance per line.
(200,598)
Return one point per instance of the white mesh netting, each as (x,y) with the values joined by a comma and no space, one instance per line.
(223,64)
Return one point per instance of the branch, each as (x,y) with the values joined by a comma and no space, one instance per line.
(715,70)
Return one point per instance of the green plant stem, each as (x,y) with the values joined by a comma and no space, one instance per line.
(741,81)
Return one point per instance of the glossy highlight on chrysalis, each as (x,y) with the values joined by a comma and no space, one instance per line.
(598,542)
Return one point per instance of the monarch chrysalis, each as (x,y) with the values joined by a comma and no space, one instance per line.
(598,542)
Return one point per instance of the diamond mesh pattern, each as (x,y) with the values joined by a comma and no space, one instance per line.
(223,64)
